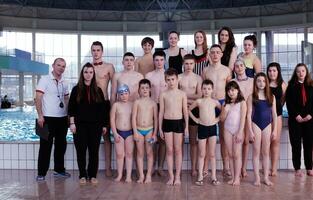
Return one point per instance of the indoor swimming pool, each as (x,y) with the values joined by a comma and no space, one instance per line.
(18,124)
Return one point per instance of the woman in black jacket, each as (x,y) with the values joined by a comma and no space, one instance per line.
(299,100)
(89,118)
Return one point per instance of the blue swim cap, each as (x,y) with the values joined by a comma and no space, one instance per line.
(122,89)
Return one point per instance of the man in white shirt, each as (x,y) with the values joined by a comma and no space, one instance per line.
(51,104)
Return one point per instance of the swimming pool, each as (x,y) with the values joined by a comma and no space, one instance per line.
(18,124)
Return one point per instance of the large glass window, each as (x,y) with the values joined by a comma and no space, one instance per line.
(50,46)
(112,48)
(287,49)
(10,80)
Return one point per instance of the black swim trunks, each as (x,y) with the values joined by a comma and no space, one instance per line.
(205,132)
(173,125)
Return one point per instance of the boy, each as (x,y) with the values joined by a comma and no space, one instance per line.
(144,64)
(173,109)
(104,74)
(128,77)
(145,123)
(158,85)
(190,83)
(207,130)
(220,75)
(120,118)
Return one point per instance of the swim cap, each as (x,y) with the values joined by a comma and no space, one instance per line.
(122,89)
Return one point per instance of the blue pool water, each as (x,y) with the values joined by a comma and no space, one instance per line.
(18,124)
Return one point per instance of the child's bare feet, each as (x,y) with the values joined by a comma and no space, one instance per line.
(177,181)
(141,179)
(128,180)
(170,181)
(299,173)
(148,179)
(236,182)
(273,173)
(268,182)
(257,181)
(118,178)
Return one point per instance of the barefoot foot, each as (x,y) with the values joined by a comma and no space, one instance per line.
(141,179)
(118,179)
(177,182)
(170,181)
(236,182)
(299,173)
(268,182)
(128,180)
(148,179)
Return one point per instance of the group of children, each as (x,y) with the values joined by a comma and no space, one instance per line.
(185,101)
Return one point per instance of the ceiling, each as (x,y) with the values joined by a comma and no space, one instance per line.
(141,5)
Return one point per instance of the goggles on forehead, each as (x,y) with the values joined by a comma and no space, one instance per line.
(123,89)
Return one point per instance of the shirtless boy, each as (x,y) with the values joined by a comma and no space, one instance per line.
(144,64)
(104,74)
(190,83)
(207,130)
(246,86)
(128,77)
(120,118)
(158,85)
(220,75)
(145,123)
(173,109)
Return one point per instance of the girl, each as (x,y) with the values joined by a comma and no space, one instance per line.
(200,52)
(252,62)
(234,114)
(123,133)
(227,41)
(299,100)
(278,89)
(174,54)
(262,122)
(89,118)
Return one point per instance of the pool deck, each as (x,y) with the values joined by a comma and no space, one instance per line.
(21,184)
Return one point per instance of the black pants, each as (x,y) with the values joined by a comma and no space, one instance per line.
(88,136)
(57,130)
(298,133)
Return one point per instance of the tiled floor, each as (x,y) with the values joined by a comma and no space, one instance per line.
(20,184)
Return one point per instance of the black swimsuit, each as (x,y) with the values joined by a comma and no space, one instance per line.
(278,93)
(176,62)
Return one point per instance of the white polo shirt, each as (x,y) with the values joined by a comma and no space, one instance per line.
(53,94)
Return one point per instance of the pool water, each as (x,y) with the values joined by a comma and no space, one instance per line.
(18,124)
